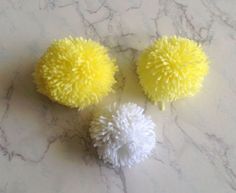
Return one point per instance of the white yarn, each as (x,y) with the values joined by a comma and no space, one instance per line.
(123,135)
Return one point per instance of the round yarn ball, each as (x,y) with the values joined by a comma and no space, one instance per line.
(172,68)
(75,72)
(123,135)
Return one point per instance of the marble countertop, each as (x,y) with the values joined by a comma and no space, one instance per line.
(45,148)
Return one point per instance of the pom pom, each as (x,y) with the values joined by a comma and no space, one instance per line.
(123,135)
(172,68)
(75,72)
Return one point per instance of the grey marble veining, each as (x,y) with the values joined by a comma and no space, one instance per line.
(44,147)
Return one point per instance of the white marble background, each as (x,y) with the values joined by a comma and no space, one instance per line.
(44,147)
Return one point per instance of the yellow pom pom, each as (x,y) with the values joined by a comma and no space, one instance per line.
(172,68)
(75,72)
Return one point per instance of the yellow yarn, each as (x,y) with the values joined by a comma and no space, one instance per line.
(75,72)
(172,68)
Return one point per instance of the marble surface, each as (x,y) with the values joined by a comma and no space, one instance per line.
(44,147)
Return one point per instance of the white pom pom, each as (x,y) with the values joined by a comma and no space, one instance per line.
(123,135)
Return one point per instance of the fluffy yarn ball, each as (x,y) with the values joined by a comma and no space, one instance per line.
(172,68)
(123,135)
(75,72)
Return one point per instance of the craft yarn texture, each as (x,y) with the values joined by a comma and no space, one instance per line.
(172,68)
(75,72)
(123,134)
